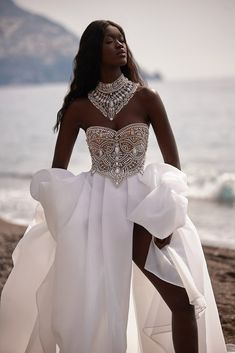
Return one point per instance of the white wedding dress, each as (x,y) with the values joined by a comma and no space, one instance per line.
(73,276)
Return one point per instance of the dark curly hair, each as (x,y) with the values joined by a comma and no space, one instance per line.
(86,65)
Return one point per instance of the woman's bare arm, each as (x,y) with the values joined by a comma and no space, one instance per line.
(66,138)
(161,126)
(166,141)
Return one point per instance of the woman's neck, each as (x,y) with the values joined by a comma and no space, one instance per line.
(109,76)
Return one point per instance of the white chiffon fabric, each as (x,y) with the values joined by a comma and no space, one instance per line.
(73,276)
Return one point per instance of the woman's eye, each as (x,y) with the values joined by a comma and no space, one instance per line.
(111,41)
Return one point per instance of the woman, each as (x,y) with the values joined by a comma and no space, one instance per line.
(97,222)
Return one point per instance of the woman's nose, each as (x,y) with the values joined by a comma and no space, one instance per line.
(118,43)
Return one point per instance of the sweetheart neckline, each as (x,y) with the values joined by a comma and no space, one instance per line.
(116,131)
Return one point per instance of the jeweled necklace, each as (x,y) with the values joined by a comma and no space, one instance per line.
(110,98)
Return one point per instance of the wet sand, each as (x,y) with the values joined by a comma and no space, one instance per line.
(221,265)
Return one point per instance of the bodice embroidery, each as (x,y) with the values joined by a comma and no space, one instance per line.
(118,154)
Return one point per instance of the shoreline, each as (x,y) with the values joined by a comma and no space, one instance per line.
(220,262)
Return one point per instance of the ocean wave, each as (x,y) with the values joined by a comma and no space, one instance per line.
(215,188)
(208,200)
(15,175)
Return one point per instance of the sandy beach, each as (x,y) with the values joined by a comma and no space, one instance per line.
(221,265)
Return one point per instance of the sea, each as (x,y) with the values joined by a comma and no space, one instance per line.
(202,117)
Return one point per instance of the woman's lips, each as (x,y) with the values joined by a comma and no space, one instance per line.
(121,53)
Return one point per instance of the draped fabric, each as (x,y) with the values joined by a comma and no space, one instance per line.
(74,287)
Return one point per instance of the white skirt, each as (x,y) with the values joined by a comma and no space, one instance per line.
(74,287)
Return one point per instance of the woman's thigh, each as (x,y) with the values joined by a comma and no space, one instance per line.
(174,296)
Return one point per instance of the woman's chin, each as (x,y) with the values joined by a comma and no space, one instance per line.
(123,61)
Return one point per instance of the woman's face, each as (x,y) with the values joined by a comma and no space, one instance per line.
(114,50)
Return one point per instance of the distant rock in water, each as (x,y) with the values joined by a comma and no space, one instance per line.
(33,49)
(154,76)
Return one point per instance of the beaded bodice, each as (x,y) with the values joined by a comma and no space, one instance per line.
(118,154)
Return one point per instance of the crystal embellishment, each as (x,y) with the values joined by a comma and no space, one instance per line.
(110,98)
(123,151)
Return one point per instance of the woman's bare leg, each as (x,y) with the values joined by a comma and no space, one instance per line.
(184,325)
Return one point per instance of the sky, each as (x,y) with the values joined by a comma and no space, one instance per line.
(182,39)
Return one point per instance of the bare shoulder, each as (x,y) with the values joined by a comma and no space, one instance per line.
(75,107)
(150,99)
(148,95)
(73,112)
